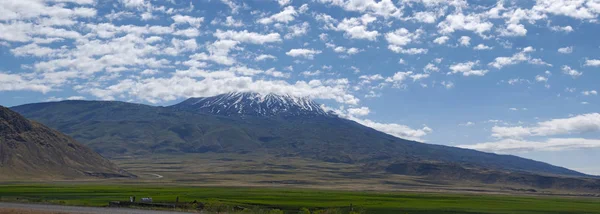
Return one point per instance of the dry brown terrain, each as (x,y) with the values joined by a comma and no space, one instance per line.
(253,170)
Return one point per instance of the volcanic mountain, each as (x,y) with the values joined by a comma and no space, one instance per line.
(283,126)
(31,150)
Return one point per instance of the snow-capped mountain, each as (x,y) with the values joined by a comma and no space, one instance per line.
(253,104)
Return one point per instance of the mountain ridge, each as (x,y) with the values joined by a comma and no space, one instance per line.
(141,129)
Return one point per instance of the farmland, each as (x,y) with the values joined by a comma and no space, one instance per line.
(222,199)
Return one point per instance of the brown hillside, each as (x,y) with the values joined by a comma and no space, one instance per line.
(31,150)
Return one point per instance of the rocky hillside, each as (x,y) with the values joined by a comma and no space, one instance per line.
(31,150)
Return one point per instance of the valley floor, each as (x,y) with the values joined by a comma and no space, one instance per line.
(214,169)
(261,184)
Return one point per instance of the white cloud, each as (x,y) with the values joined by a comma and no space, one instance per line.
(155,90)
(540,78)
(34,50)
(482,47)
(231,22)
(571,72)
(469,123)
(465,41)
(247,37)
(385,8)
(287,15)
(447,84)
(521,146)
(588,93)
(566,50)
(192,21)
(54,99)
(263,57)
(570,8)
(356,28)
(431,68)
(398,130)
(398,78)
(566,29)
(402,37)
(517,58)
(297,30)
(311,73)
(572,125)
(466,69)
(284,2)
(470,22)
(441,40)
(592,62)
(342,49)
(17,82)
(409,51)
(357,112)
(419,76)
(190,32)
(306,53)
(232,5)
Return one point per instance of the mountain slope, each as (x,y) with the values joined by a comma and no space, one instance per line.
(31,150)
(117,128)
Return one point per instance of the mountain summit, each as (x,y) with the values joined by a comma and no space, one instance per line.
(253,104)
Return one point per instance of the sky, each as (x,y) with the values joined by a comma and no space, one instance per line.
(511,77)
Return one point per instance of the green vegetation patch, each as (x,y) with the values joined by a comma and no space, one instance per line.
(299,200)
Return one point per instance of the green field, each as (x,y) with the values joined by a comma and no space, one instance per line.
(292,200)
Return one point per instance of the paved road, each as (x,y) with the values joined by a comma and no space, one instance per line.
(86,210)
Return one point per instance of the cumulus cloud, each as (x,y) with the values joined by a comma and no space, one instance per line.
(570,71)
(459,21)
(287,15)
(566,29)
(385,8)
(573,125)
(521,146)
(465,41)
(356,28)
(441,40)
(398,130)
(301,52)
(523,56)
(16,82)
(592,62)
(482,47)
(263,57)
(192,21)
(566,50)
(588,93)
(187,84)
(247,37)
(362,111)
(402,37)
(466,68)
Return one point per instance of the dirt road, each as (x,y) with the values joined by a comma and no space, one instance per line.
(72,209)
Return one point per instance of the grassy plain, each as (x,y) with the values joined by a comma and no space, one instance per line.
(292,200)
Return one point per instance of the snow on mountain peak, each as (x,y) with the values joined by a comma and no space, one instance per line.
(254,104)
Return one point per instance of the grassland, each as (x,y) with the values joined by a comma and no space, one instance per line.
(292,200)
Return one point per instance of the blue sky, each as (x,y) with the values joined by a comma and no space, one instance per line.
(513,77)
